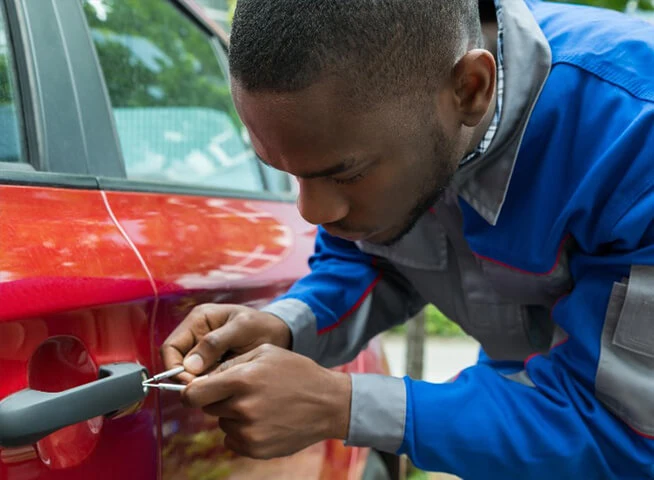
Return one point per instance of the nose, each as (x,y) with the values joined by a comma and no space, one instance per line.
(319,204)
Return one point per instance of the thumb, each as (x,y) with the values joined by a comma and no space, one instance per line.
(211,348)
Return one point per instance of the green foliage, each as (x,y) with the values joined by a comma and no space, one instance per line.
(436,324)
(417,475)
(232,7)
(5,84)
(620,5)
(153,56)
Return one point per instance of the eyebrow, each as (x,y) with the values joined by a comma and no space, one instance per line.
(327,172)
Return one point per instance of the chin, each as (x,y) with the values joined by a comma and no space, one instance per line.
(386,237)
(390,237)
(344,234)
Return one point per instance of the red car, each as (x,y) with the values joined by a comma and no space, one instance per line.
(129,194)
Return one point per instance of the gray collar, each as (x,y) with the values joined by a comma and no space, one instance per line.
(483,183)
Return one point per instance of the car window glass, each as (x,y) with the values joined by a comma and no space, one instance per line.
(170,97)
(220,11)
(10,137)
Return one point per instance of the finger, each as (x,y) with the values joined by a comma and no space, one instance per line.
(200,321)
(233,445)
(232,408)
(241,359)
(184,378)
(213,346)
(214,387)
(221,410)
(185,336)
(231,427)
(233,438)
(172,351)
(243,438)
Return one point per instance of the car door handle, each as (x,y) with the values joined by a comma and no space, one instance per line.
(29,415)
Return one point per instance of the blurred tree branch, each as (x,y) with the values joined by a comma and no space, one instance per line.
(415,346)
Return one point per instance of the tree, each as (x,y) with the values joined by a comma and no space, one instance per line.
(153,56)
(620,5)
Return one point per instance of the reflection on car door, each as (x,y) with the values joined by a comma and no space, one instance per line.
(73,293)
(179,132)
(208,249)
(70,287)
(199,209)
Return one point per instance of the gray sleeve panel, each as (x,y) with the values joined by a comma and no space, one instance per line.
(635,322)
(300,320)
(378,412)
(389,304)
(624,381)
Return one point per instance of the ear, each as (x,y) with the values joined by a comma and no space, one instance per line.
(474,85)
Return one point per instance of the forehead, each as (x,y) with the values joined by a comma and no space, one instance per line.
(317,125)
(312,110)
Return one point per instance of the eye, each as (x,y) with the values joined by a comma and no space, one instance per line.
(348,181)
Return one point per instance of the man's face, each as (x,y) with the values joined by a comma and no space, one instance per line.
(363,175)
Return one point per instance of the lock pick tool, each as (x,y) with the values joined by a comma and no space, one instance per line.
(153,382)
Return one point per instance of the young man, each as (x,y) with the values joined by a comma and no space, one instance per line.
(506,177)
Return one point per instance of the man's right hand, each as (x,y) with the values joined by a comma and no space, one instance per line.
(210,331)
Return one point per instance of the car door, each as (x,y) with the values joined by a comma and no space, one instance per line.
(210,222)
(75,297)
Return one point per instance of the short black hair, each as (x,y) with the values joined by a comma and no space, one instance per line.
(379,47)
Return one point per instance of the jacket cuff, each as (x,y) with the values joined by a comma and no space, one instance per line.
(300,320)
(377,412)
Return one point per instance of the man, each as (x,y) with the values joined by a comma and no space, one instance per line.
(509,180)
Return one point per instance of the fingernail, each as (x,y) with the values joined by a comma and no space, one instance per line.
(193,363)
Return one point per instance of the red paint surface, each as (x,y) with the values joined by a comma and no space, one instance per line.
(194,243)
(62,251)
(110,334)
(69,270)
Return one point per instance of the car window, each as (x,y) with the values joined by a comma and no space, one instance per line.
(220,11)
(170,97)
(10,138)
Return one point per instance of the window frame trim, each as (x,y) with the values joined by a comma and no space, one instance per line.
(141,186)
(48,81)
(30,116)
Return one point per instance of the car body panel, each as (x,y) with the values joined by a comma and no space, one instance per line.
(59,240)
(97,268)
(221,250)
(72,290)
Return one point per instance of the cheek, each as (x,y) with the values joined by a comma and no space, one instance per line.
(381,198)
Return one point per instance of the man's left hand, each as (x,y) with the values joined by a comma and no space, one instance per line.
(273,402)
